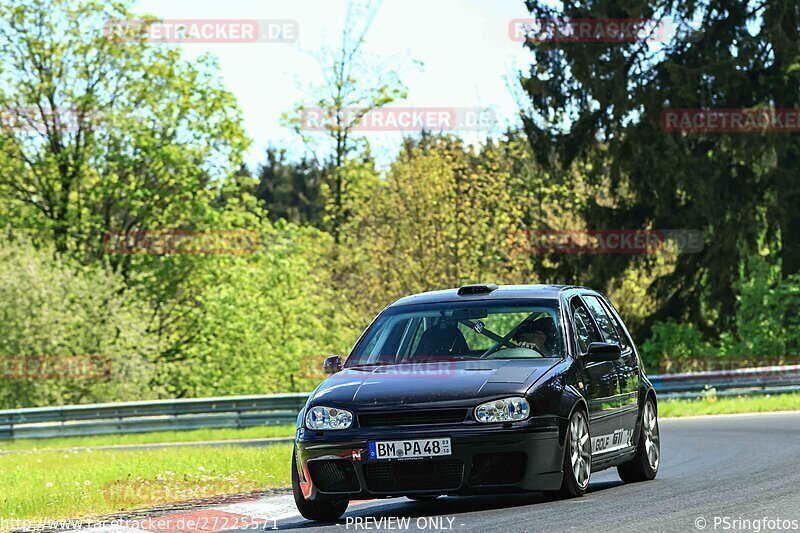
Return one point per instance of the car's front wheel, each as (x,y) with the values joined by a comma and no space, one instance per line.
(644,465)
(577,457)
(327,510)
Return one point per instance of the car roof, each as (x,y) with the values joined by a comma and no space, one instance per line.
(502,292)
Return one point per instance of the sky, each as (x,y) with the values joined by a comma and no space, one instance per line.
(467,54)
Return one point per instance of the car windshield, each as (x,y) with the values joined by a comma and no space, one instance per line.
(519,329)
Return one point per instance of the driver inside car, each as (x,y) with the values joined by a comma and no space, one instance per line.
(535,335)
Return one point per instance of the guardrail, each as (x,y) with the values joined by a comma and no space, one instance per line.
(736,382)
(145,416)
(250,411)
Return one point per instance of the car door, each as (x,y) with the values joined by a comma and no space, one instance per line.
(600,379)
(627,367)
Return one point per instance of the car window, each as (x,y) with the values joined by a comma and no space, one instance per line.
(514,329)
(585,331)
(624,339)
(602,319)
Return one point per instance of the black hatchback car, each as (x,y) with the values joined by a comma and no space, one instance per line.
(476,390)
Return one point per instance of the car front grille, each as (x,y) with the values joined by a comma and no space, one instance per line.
(414,475)
(334,475)
(412,418)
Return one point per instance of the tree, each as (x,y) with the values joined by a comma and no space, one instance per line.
(600,104)
(105,133)
(291,190)
(352,87)
(441,218)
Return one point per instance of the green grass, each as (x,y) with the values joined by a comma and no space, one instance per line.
(149,438)
(729,405)
(55,485)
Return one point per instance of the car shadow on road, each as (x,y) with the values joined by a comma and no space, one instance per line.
(450,505)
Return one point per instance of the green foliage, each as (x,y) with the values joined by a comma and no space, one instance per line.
(767,322)
(264,322)
(601,103)
(291,191)
(441,218)
(121,134)
(53,308)
(671,340)
(767,318)
(156,142)
(52,485)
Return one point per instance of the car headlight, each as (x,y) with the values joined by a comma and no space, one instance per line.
(328,418)
(505,410)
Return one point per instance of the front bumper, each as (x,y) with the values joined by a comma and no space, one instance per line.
(524,456)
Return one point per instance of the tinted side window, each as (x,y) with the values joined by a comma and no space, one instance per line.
(603,319)
(585,331)
(624,339)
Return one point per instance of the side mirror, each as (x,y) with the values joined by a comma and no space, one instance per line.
(603,351)
(332,364)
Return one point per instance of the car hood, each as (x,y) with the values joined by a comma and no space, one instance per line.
(433,383)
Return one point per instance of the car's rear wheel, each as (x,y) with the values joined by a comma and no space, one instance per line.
(423,498)
(644,465)
(322,510)
(577,458)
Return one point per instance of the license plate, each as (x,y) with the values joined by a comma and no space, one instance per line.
(409,449)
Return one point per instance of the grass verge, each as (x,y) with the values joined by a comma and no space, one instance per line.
(729,405)
(259,432)
(56,485)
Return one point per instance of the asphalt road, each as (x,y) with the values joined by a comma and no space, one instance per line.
(741,467)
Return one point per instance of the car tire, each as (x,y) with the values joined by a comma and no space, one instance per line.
(322,510)
(577,458)
(644,465)
(423,497)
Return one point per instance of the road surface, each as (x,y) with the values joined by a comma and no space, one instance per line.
(714,471)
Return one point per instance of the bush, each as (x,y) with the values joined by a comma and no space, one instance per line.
(55,310)
(266,321)
(767,328)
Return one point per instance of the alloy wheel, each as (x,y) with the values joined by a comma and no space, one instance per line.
(580,449)
(651,438)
